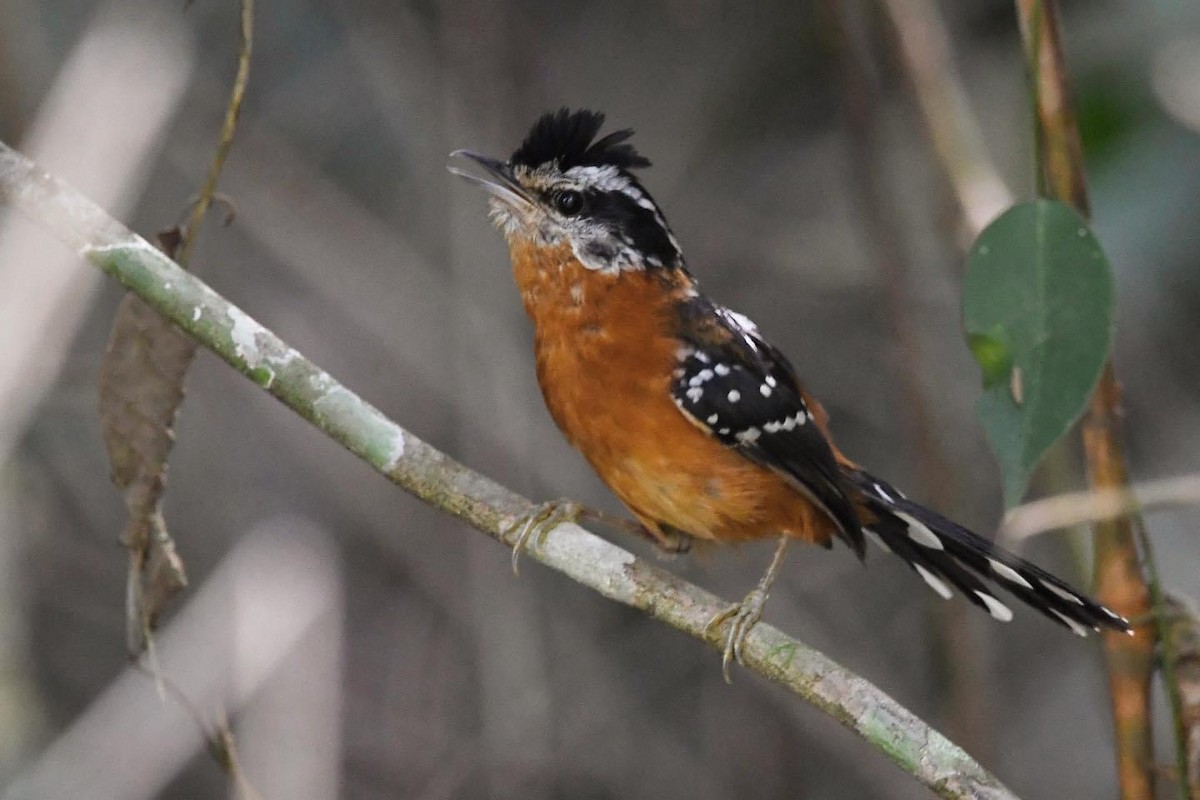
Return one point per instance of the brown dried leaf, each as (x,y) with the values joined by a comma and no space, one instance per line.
(141,390)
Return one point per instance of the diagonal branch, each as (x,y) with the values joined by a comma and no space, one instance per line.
(442,482)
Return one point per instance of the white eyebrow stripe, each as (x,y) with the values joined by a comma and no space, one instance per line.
(606,178)
(643,201)
(609,178)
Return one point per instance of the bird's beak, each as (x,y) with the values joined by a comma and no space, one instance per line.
(497,178)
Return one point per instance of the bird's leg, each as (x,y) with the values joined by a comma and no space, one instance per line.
(743,616)
(537,523)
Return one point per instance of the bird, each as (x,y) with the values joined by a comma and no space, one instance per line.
(692,418)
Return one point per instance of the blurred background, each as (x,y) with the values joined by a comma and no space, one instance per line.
(364,646)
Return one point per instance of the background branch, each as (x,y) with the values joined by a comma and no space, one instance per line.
(1119,582)
(485,504)
(191,230)
(925,53)
(1093,505)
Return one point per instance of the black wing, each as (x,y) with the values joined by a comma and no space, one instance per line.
(742,391)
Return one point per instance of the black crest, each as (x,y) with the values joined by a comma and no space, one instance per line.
(567,137)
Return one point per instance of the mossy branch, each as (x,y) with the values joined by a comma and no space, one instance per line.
(486,505)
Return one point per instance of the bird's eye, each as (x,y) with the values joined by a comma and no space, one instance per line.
(568,202)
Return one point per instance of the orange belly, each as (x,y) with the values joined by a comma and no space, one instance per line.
(605,353)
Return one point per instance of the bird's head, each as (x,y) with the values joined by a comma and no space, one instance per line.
(565,185)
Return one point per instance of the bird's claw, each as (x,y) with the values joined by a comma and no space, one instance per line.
(742,618)
(537,523)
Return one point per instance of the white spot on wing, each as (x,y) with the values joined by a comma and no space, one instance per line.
(1075,627)
(749,436)
(742,321)
(721,369)
(1008,573)
(920,533)
(670,236)
(734,395)
(997,609)
(695,393)
(712,419)
(765,390)
(1063,593)
(785,424)
(935,583)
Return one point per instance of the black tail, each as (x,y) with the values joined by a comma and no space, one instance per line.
(942,552)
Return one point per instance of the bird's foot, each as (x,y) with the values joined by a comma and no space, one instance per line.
(742,617)
(537,523)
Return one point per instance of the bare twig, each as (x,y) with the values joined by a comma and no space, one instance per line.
(228,128)
(926,55)
(1094,505)
(435,478)
(1120,585)
(1119,581)
(218,736)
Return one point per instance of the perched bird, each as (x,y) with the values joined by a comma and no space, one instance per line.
(695,421)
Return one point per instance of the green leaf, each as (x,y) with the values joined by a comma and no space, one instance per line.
(1037,308)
